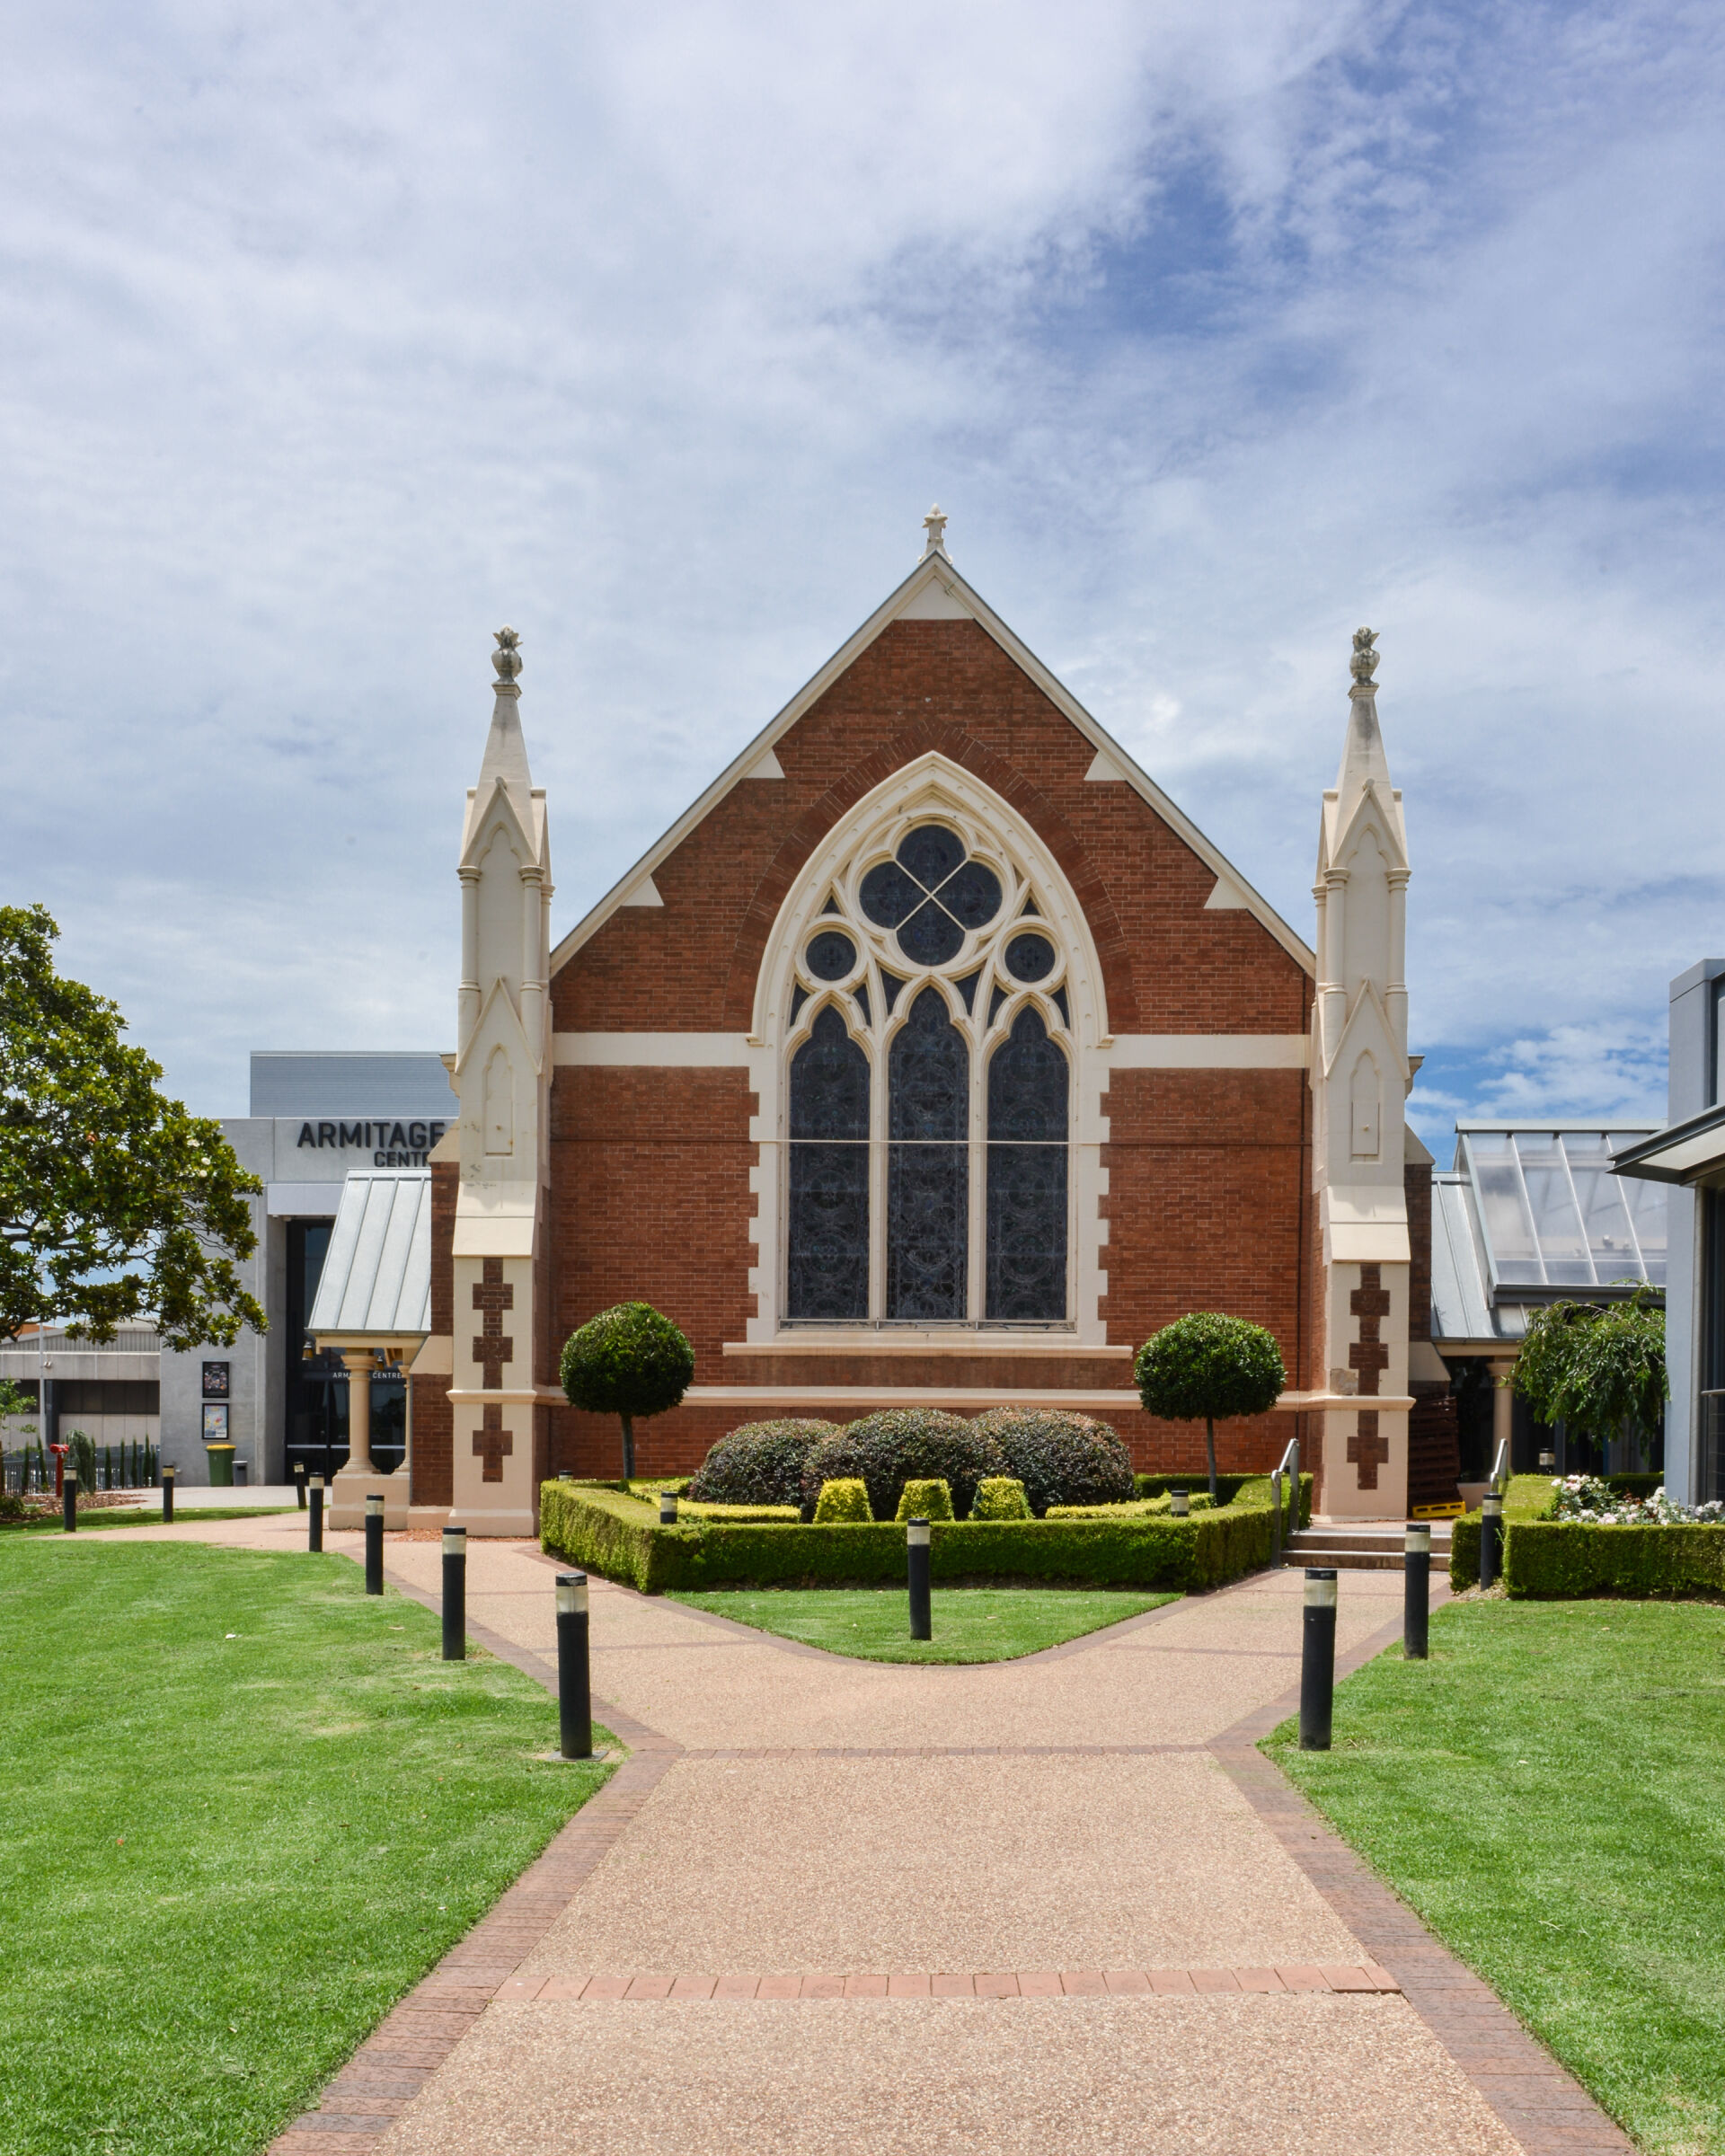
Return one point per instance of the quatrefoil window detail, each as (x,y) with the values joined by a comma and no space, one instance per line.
(931,893)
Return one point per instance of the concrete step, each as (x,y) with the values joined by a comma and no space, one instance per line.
(1364,1549)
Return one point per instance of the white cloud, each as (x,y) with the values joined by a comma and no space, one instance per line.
(336,340)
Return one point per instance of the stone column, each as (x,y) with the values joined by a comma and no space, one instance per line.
(359,1362)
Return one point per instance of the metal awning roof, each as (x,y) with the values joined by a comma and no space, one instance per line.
(375,1285)
(1678,1154)
(1553,1218)
(1465,1318)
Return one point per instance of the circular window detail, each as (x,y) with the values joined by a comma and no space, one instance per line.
(932,894)
(831,956)
(1030,958)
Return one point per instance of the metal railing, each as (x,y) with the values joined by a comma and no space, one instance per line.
(1284,1476)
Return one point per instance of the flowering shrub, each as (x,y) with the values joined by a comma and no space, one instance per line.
(1589,1499)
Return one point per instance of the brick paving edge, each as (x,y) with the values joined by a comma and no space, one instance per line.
(1536,2099)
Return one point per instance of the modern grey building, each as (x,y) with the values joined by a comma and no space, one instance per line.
(1688,1156)
(274,1398)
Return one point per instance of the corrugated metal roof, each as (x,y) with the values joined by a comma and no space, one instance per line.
(1461,1303)
(377,1276)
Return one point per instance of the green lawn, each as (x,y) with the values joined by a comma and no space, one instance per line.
(970,1624)
(148,1516)
(1548,1791)
(245,1807)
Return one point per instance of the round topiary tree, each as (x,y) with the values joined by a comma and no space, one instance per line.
(626,1362)
(1060,1458)
(761,1464)
(1207,1366)
(905,1445)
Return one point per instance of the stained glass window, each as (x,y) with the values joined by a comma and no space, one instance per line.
(1026,1240)
(962,1199)
(928,1208)
(828,1253)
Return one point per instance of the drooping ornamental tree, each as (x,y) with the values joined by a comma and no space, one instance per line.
(116,1205)
(1206,1367)
(629,1361)
(1598,1367)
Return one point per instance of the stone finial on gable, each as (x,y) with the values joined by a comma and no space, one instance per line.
(507,657)
(1364,663)
(934,524)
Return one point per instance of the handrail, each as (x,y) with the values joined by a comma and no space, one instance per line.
(1500,1466)
(1288,1466)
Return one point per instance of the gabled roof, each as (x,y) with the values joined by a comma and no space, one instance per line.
(933,591)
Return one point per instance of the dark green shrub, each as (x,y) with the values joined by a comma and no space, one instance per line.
(905,1445)
(1557,1560)
(843,1504)
(924,1501)
(1060,1458)
(761,1464)
(1206,1367)
(628,1361)
(1000,1497)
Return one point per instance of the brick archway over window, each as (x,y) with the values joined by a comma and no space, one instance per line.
(869,771)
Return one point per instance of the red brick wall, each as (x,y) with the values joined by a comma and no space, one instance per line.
(432,1478)
(1209,1171)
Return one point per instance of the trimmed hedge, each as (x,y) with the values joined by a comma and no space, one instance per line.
(844,1502)
(621,1538)
(1557,1560)
(930,1500)
(905,1445)
(1061,1458)
(761,1464)
(1227,1488)
(689,1508)
(1001,1497)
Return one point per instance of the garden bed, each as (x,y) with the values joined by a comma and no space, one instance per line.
(604,1530)
(1555,1560)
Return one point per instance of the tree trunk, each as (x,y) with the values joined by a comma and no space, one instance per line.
(1209,1449)
(628,1422)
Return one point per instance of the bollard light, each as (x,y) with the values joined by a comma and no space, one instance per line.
(168,1473)
(374,1543)
(917,1545)
(1491,1537)
(1179,1503)
(314,1526)
(1318,1659)
(1416,1607)
(69,1504)
(299,1482)
(1547,1461)
(668,1508)
(454,1593)
(574,1679)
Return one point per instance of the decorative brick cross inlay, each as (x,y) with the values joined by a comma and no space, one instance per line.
(493,1443)
(493,1347)
(1368,1452)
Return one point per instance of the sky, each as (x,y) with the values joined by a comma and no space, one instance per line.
(331,339)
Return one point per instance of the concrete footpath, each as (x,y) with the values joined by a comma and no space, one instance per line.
(1059,1904)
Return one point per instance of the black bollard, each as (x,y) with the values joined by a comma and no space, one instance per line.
(668,1508)
(374,1544)
(314,1526)
(917,1549)
(69,1504)
(168,1473)
(1491,1537)
(1179,1503)
(574,1683)
(454,1593)
(1415,1608)
(1318,1659)
(299,1482)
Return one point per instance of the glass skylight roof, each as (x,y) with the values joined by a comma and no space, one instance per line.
(1553,1215)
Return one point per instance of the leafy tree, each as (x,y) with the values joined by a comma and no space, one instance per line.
(115,1203)
(1596,1366)
(1206,1367)
(626,1362)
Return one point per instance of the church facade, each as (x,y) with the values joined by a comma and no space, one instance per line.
(933,1057)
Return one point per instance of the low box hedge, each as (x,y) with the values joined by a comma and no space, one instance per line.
(604,1530)
(1527,1499)
(1561,1559)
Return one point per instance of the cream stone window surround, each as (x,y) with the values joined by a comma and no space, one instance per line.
(932,790)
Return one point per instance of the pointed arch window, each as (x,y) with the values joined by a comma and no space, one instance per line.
(929,1125)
